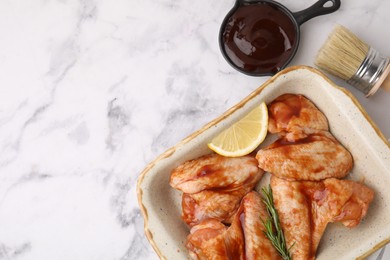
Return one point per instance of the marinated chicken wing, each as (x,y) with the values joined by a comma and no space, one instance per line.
(295,116)
(217,204)
(305,209)
(213,186)
(248,217)
(315,157)
(207,204)
(294,214)
(208,241)
(244,239)
(213,172)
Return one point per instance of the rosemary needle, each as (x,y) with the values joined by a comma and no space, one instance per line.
(273,230)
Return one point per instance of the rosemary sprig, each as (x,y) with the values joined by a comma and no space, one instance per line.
(273,230)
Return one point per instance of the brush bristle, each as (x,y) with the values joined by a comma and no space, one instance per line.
(342,53)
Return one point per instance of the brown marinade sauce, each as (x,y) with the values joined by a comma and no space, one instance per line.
(259,38)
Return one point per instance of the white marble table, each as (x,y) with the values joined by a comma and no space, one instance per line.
(91,91)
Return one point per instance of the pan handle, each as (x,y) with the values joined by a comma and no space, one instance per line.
(241,2)
(321,7)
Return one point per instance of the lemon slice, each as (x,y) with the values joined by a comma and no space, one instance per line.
(244,136)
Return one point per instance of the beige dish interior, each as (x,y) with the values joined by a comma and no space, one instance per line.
(349,123)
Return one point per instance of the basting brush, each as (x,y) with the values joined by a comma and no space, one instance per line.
(346,56)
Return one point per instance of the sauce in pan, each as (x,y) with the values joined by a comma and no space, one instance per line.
(259,38)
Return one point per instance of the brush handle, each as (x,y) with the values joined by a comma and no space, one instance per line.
(386,83)
(383,82)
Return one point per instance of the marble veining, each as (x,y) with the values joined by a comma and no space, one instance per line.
(93,90)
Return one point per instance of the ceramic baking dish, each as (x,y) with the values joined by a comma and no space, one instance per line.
(161,205)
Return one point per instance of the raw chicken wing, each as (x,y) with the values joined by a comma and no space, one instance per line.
(208,240)
(315,157)
(295,116)
(305,209)
(217,204)
(244,239)
(294,214)
(214,185)
(248,217)
(214,172)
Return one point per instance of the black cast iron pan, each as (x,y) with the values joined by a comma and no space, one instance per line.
(261,37)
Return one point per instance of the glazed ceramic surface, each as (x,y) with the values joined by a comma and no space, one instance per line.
(161,204)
